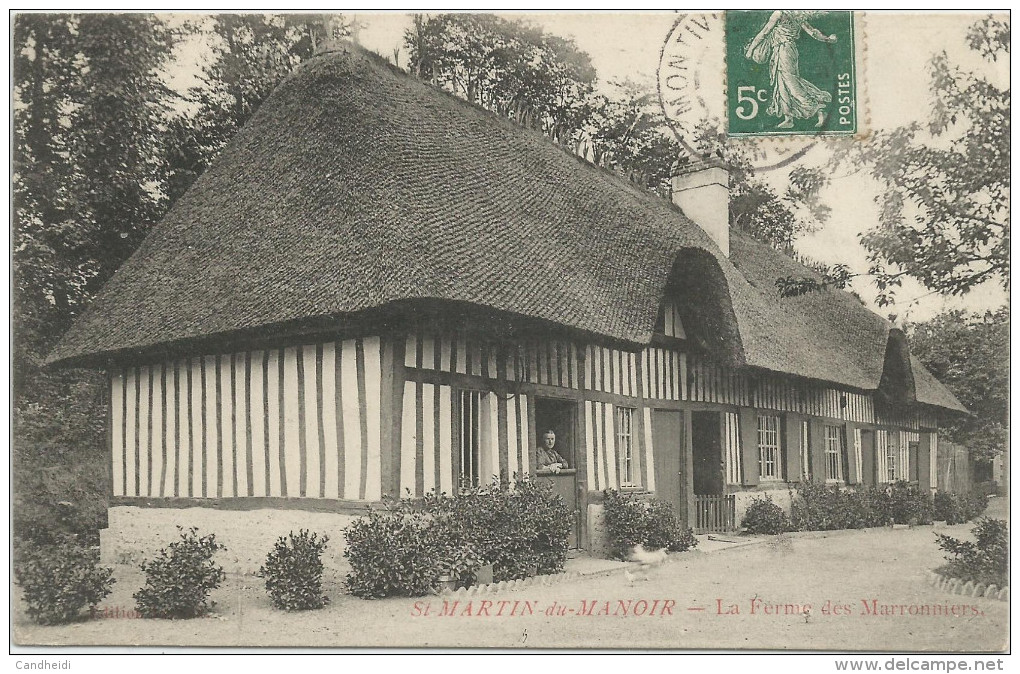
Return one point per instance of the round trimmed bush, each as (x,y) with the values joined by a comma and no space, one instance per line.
(764,516)
(59,580)
(180,577)
(293,572)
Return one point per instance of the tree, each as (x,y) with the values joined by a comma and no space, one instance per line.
(89,111)
(945,211)
(250,55)
(89,107)
(969,353)
(510,67)
(626,131)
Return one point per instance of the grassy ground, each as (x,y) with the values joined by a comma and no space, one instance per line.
(841,570)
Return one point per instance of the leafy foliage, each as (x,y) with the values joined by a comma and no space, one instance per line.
(819,507)
(969,353)
(652,523)
(180,577)
(984,561)
(88,105)
(945,211)
(508,66)
(59,579)
(835,277)
(392,554)
(764,516)
(293,571)
(402,553)
(956,509)
(908,504)
(516,530)
(626,131)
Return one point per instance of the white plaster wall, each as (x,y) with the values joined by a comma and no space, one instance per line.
(598,535)
(780,497)
(135,534)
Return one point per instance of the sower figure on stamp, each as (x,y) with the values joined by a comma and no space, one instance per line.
(548,458)
(792,95)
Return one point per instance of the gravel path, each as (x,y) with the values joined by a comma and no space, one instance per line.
(865,589)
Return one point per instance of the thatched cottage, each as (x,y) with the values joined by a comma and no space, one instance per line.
(379,289)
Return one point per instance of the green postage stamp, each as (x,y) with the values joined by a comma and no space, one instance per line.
(790,73)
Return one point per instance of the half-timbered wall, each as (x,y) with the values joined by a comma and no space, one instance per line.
(431,437)
(664,374)
(731,445)
(710,382)
(300,421)
(309,420)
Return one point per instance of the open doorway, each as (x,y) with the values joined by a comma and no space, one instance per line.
(555,429)
(557,416)
(706,440)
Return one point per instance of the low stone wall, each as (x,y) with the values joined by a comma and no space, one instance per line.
(135,534)
(781,497)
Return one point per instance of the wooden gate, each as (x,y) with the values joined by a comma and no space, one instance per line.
(716,513)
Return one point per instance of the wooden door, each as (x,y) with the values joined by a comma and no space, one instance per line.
(564,484)
(668,449)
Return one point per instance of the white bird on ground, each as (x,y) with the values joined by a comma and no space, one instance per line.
(644,560)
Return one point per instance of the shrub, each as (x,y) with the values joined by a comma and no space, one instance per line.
(392,554)
(763,516)
(909,504)
(293,572)
(663,529)
(984,561)
(820,507)
(59,580)
(652,523)
(975,504)
(179,578)
(520,531)
(625,517)
(53,503)
(955,509)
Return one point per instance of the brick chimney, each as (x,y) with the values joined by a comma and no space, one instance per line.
(701,188)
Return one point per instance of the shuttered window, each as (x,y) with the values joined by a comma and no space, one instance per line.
(768,447)
(833,453)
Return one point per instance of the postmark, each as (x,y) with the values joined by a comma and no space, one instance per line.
(790,73)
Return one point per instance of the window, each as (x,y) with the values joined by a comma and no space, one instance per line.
(625,447)
(805,451)
(833,453)
(470,438)
(893,456)
(768,447)
(892,453)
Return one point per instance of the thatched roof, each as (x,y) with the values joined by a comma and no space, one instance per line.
(355,187)
(835,327)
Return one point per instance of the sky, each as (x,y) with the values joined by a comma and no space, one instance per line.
(894,49)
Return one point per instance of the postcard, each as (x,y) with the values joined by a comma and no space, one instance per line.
(519,331)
